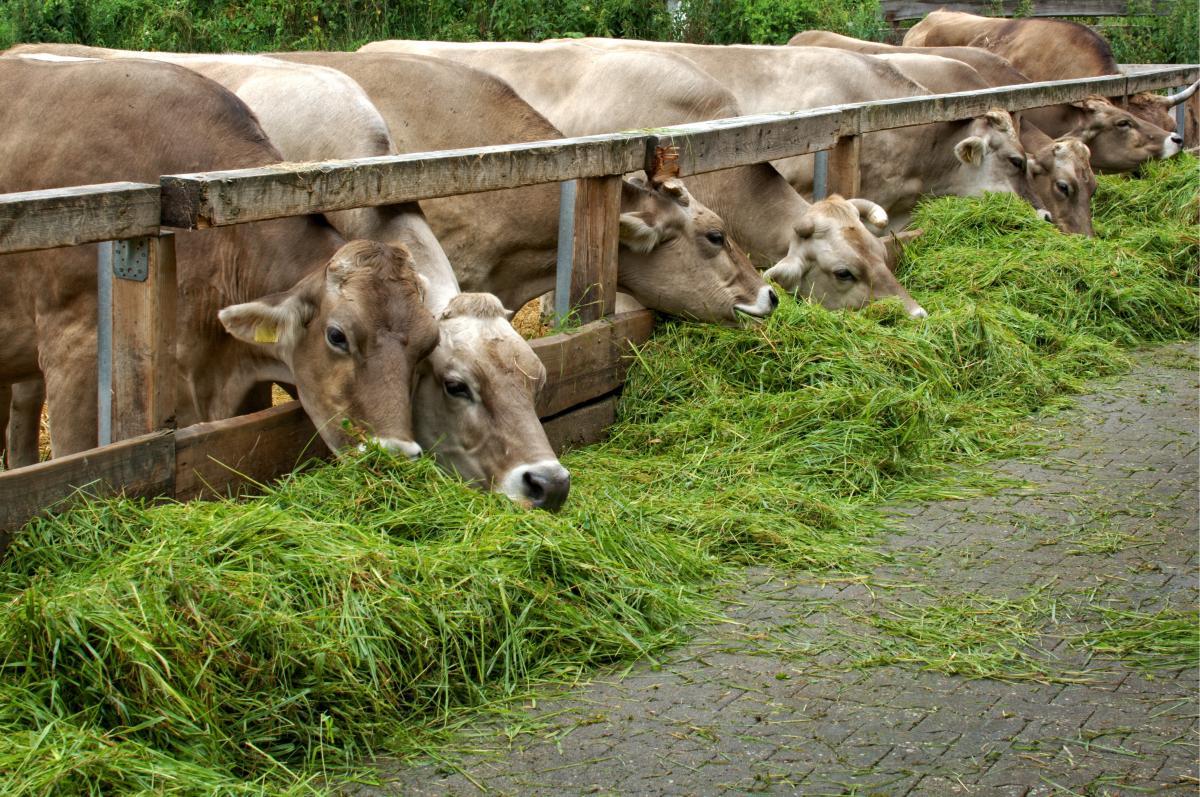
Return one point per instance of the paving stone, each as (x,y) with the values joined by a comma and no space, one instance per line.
(742,710)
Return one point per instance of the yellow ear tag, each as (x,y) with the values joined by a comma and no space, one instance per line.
(266,333)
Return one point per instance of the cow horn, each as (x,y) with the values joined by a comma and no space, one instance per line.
(871,213)
(1171,100)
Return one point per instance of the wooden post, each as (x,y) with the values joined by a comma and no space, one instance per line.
(844,175)
(597,237)
(1191,121)
(137,372)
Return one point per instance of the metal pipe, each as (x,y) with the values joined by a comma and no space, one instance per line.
(104,341)
(566,249)
(820,188)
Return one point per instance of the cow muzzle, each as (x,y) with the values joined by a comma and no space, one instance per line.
(766,303)
(542,485)
(406,448)
(1172,145)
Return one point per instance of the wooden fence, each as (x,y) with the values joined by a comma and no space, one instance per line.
(585,368)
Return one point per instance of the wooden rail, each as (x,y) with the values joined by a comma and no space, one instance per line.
(584,368)
(234,197)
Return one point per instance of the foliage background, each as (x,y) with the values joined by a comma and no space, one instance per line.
(225,25)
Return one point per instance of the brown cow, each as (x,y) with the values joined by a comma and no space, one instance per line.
(674,255)
(344,323)
(1116,139)
(626,91)
(1042,49)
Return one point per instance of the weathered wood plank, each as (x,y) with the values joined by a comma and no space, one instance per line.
(597,237)
(232,456)
(844,177)
(143,344)
(582,425)
(746,140)
(1151,81)
(79,215)
(591,362)
(900,10)
(709,146)
(214,199)
(139,467)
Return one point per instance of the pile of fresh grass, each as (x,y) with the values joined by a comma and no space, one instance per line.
(251,646)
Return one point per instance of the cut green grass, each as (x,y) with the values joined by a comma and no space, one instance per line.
(1168,639)
(975,636)
(270,644)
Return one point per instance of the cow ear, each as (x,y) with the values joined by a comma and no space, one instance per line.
(638,231)
(676,190)
(278,319)
(971,150)
(999,120)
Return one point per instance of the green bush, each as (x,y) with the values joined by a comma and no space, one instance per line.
(1170,39)
(203,25)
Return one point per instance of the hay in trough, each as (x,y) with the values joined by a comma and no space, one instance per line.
(265,644)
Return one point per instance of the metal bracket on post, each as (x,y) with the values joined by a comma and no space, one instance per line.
(131,259)
(566,250)
(820,187)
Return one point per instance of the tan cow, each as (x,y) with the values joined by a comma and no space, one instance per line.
(674,257)
(1059,172)
(1042,49)
(897,166)
(315,113)
(625,91)
(1114,136)
(295,267)
(479,388)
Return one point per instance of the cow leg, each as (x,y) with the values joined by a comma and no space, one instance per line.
(25,423)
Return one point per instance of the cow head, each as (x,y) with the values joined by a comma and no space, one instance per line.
(676,257)
(835,261)
(350,334)
(1064,181)
(1118,140)
(474,405)
(1156,108)
(992,159)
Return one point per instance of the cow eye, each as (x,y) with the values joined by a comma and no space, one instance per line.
(716,236)
(337,338)
(1017,162)
(1063,187)
(457,389)
(1124,123)
(844,275)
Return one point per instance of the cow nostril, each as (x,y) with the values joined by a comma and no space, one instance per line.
(534,489)
(773,298)
(1178,139)
(547,490)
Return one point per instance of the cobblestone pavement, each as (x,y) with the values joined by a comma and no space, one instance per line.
(872,688)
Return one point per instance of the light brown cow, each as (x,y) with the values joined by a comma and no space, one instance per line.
(479,387)
(186,123)
(1042,49)
(897,166)
(625,91)
(1061,176)
(315,113)
(674,257)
